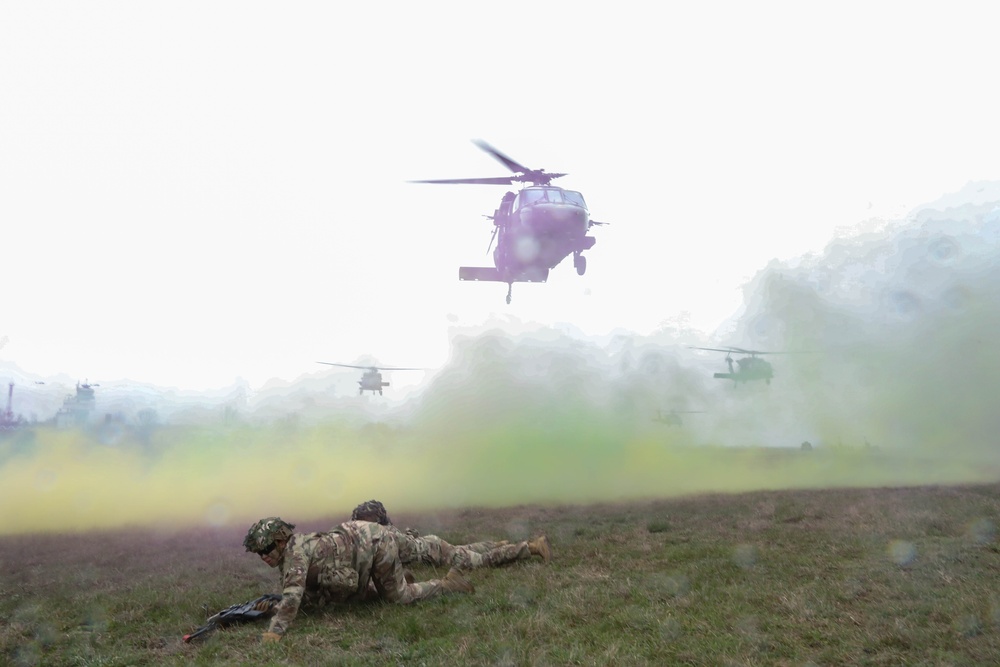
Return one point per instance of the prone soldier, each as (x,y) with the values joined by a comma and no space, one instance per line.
(432,550)
(354,561)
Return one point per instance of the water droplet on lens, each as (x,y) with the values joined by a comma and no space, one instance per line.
(902,553)
(745,556)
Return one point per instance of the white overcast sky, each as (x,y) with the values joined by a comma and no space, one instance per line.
(192,192)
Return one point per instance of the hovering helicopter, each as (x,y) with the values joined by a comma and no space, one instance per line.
(747,368)
(372,378)
(534,228)
(673,418)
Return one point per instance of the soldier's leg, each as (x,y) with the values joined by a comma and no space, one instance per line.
(437,552)
(509,553)
(389,577)
(442,554)
(482,547)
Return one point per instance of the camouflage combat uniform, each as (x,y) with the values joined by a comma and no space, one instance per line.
(338,565)
(432,550)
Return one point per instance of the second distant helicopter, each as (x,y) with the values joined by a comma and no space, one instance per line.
(372,379)
(747,368)
(534,228)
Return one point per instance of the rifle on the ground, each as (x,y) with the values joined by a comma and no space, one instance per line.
(252,610)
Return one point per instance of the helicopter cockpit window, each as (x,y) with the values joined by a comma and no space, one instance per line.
(529,197)
(554,196)
(574,198)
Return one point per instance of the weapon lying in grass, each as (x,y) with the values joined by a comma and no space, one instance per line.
(252,610)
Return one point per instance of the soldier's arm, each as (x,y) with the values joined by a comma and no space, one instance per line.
(293,587)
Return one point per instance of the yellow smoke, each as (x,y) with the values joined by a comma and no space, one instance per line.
(209,477)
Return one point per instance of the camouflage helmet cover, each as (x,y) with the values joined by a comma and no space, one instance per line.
(373,511)
(266,531)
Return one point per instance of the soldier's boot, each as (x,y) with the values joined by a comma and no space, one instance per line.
(540,547)
(454,582)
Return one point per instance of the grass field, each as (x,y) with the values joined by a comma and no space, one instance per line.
(887,576)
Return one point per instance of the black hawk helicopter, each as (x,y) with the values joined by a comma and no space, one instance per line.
(534,228)
(747,368)
(372,378)
(673,418)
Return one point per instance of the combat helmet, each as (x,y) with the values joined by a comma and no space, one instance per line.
(373,511)
(263,534)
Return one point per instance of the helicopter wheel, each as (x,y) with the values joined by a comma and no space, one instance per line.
(510,286)
(580,263)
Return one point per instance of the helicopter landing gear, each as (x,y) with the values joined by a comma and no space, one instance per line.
(510,286)
(579,263)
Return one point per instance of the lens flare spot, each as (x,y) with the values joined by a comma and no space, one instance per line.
(45,480)
(523,598)
(526,249)
(745,556)
(943,250)
(28,655)
(673,585)
(902,553)
(957,297)
(670,629)
(969,626)
(981,531)
(96,619)
(518,530)
(903,303)
(218,513)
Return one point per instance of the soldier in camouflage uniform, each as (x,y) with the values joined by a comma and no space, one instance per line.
(432,550)
(357,560)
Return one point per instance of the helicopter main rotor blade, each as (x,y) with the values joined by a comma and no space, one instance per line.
(330,363)
(371,368)
(507,162)
(496,180)
(738,350)
(524,175)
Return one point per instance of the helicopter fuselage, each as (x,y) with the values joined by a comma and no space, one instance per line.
(536,229)
(747,369)
(371,381)
(542,234)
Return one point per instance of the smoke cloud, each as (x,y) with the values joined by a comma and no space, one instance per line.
(887,367)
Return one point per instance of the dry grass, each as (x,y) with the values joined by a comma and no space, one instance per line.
(836,577)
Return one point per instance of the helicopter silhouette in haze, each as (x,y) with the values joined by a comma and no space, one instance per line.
(372,378)
(747,368)
(534,228)
(673,418)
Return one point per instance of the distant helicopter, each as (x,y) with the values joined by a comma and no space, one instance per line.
(372,378)
(747,368)
(534,229)
(673,418)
